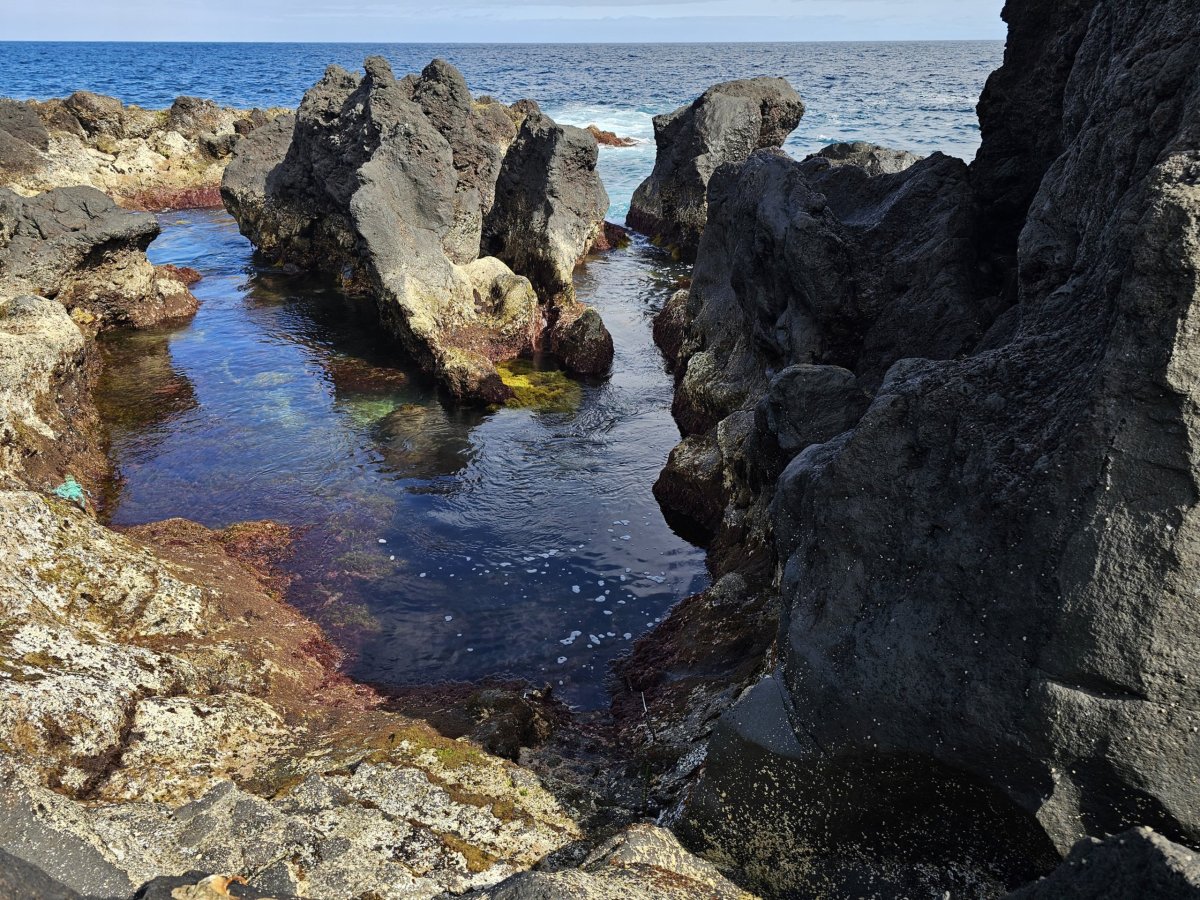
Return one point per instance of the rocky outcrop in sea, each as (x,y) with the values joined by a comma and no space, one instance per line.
(147,159)
(462,219)
(724,125)
(964,466)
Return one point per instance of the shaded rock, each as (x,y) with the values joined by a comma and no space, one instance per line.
(19,879)
(1135,863)
(20,121)
(725,124)
(1021,112)
(988,583)
(871,158)
(806,405)
(691,488)
(17,158)
(387,183)
(817,265)
(583,344)
(670,327)
(75,245)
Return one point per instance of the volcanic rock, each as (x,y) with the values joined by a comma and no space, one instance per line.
(725,124)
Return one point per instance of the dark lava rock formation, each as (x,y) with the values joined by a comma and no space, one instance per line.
(1135,863)
(970,469)
(421,198)
(724,125)
(75,245)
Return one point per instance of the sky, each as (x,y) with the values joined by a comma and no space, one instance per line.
(471,21)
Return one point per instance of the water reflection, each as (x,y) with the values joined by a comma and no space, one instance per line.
(439,543)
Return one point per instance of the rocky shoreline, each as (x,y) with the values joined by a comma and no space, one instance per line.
(939,430)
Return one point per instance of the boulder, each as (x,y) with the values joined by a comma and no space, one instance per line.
(21,122)
(96,113)
(725,124)
(871,158)
(988,583)
(1135,863)
(75,245)
(388,183)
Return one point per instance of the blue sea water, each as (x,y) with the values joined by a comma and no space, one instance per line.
(913,96)
(438,543)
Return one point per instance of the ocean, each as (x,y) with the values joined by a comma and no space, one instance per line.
(912,96)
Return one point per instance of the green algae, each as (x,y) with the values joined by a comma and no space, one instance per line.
(544,390)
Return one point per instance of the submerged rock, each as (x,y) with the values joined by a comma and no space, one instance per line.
(393,184)
(987,581)
(725,124)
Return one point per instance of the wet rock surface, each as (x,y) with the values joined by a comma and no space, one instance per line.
(724,125)
(958,560)
(143,158)
(394,184)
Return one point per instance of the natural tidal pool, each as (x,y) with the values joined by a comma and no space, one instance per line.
(436,542)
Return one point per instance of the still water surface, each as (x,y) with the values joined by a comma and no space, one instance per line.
(439,542)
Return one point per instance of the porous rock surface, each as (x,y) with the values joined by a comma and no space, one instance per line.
(76,246)
(724,125)
(987,578)
(1134,863)
(640,863)
(162,711)
(148,159)
(394,185)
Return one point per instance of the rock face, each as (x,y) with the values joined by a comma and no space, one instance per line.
(640,863)
(145,159)
(393,185)
(1136,863)
(988,581)
(76,246)
(725,124)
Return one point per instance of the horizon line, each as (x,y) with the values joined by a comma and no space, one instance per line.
(980,40)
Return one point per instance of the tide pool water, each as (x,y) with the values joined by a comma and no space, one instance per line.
(436,542)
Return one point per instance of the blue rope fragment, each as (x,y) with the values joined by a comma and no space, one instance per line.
(70,490)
